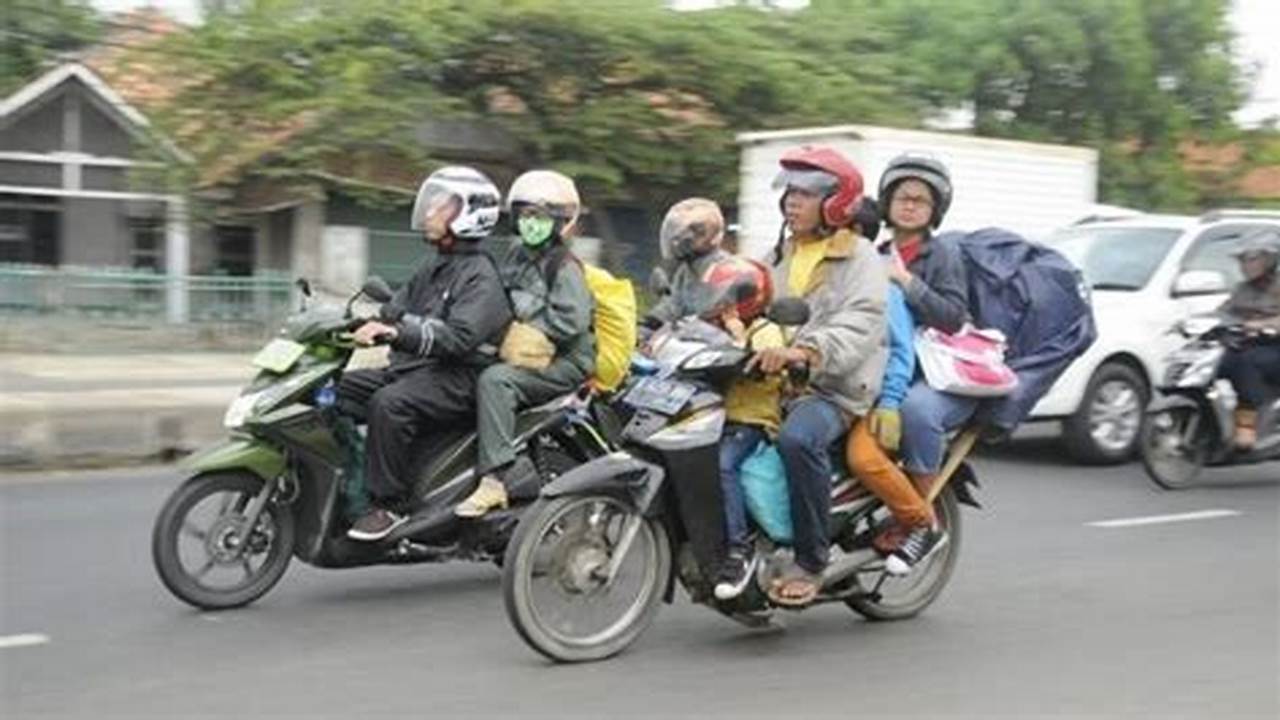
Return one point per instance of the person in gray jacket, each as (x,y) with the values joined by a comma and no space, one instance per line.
(843,344)
(1254,370)
(692,234)
(549,349)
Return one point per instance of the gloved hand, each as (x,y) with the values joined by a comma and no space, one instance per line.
(886,425)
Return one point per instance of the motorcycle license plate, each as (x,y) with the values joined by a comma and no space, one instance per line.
(279,355)
(664,396)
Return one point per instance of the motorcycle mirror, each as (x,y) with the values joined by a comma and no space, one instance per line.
(659,283)
(789,311)
(303,286)
(375,288)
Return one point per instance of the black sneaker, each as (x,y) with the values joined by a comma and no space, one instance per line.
(734,575)
(375,525)
(920,544)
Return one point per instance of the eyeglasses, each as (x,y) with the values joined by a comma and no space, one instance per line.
(916,200)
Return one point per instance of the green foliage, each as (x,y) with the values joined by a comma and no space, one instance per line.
(33,33)
(642,104)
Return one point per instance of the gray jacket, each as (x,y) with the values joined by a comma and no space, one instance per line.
(688,294)
(1255,302)
(847,324)
(938,293)
(563,312)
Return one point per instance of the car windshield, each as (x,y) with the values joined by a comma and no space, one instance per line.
(1115,258)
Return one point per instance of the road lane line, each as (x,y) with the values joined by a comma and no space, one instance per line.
(15,641)
(1161,519)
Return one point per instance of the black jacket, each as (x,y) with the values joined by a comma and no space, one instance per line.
(453,309)
(939,293)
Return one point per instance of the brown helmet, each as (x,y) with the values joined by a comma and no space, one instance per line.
(692,227)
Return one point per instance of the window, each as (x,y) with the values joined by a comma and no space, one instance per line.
(148,243)
(1212,251)
(29,229)
(1116,258)
(234,250)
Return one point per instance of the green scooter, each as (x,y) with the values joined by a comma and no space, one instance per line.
(288,480)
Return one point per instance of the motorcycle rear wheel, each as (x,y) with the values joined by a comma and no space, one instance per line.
(212,542)
(1171,461)
(899,598)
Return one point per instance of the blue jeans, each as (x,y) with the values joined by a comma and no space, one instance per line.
(812,426)
(927,416)
(739,441)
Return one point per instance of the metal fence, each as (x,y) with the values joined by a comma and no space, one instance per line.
(127,294)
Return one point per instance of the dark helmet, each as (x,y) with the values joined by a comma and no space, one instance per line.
(926,169)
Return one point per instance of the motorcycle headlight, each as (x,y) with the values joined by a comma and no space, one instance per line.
(241,409)
(1199,372)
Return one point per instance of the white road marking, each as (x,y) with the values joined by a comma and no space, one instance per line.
(15,641)
(1161,519)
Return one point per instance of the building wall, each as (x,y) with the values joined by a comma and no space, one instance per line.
(38,131)
(95,232)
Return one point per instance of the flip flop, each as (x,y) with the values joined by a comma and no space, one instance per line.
(812,584)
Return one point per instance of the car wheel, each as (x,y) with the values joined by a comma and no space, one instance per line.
(1105,429)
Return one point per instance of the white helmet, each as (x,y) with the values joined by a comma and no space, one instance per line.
(552,192)
(478,195)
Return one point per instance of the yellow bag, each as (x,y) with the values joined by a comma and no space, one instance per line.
(526,346)
(615,325)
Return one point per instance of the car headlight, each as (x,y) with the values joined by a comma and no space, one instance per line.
(241,409)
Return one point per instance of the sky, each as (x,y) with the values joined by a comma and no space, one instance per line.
(1255,21)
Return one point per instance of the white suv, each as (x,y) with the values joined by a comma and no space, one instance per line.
(1147,272)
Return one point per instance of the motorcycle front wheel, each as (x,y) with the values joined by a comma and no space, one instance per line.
(559,593)
(200,548)
(1173,447)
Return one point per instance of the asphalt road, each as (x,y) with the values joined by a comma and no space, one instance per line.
(1046,615)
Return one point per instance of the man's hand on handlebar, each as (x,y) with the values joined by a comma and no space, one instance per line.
(373,333)
(775,360)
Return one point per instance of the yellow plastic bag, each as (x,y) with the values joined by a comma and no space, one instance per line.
(615,325)
(527,347)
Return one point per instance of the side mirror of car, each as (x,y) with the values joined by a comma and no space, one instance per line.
(792,312)
(1200,282)
(376,289)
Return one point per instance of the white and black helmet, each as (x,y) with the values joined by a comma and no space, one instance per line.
(481,201)
(925,168)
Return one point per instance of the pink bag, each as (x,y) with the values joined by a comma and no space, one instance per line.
(969,363)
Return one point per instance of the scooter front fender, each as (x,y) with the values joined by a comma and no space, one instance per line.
(618,474)
(1165,403)
(238,453)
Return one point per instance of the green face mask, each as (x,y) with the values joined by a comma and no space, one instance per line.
(535,230)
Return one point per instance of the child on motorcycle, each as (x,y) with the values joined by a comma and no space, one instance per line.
(752,404)
(549,350)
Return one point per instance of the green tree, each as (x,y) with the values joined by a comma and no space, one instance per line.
(34,33)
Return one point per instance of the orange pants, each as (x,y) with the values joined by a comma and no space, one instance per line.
(882,476)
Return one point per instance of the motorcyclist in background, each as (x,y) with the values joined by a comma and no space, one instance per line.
(691,235)
(1254,370)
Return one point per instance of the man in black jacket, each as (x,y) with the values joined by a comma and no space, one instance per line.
(444,327)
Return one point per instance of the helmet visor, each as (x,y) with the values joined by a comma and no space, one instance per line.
(812,181)
(436,206)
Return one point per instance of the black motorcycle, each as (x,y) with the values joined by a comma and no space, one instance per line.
(607,541)
(1191,423)
(279,486)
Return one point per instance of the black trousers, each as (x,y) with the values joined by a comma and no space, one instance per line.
(1255,374)
(400,406)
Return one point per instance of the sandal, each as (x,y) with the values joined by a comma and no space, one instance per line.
(797,589)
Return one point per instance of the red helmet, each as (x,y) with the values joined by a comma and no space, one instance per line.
(823,171)
(743,282)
